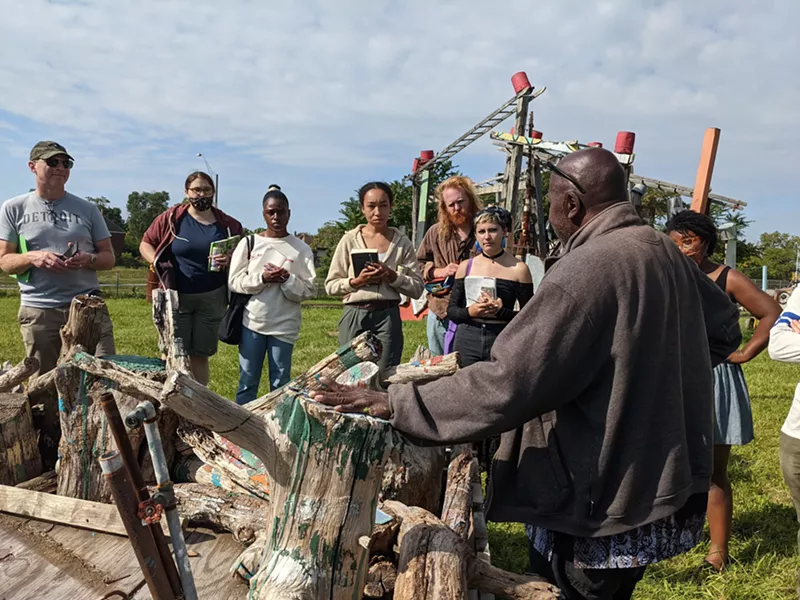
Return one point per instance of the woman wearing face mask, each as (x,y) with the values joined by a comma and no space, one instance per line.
(178,245)
(279,274)
(372,299)
(696,236)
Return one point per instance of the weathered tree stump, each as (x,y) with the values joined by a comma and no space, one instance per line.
(434,563)
(413,474)
(19,442)
(85,432)
(83,327)
(12,377)
(325,471)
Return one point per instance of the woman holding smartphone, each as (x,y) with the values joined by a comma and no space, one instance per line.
(277,270)
(372,295)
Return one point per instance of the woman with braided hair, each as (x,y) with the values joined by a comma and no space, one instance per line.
(696,236)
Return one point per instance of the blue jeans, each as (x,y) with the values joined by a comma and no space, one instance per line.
(253,348)
(436,329)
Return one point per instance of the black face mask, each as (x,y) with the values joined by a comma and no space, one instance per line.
(201,204)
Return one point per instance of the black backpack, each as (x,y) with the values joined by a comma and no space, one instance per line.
(230,328)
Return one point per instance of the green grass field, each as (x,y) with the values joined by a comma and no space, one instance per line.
(764,537)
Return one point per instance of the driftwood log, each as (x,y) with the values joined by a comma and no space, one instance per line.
(19,443)
(165,313)
(435,563)
(13,377)
(241,514)
(461,473)
(422,370)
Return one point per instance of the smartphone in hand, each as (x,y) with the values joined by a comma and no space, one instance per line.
(71,251)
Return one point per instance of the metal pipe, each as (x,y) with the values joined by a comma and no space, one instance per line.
(144,546)
(131,464)
(165,489)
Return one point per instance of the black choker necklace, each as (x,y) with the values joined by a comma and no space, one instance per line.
(493,257)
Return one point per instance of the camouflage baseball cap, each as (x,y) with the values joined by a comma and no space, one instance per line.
(48,149)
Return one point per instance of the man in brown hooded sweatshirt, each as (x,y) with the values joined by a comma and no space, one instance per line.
(602,390)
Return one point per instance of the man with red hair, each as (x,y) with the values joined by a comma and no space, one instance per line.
(450,241)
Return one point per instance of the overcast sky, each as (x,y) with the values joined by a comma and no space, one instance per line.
(323,96)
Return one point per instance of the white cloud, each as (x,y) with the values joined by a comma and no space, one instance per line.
(363,85)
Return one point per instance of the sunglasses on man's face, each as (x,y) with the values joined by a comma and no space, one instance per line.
(67,163)
(554,169)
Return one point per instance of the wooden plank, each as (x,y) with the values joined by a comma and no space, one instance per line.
(38,566)
(60,509)
(705,170)
(110,555)
(25,573)
(216,552)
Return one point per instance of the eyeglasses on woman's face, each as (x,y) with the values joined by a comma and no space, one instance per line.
(202,190)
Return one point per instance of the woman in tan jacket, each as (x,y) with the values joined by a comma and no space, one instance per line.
(372,299)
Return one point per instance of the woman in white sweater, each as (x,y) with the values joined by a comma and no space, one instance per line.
(279,274)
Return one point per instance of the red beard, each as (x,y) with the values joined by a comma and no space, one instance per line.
(457,219)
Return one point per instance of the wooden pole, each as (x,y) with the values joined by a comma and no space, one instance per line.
(514,162)
(705,170)
(416,237)
(422,211)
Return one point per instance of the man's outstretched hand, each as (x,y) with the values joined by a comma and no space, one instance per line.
(351,399)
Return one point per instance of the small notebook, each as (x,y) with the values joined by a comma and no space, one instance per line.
(22,248)
(475,285)
(221,247)
(361,258)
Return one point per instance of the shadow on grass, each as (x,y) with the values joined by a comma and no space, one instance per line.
(770,528)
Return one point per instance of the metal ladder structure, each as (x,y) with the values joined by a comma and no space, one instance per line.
(420,177)
(478,131)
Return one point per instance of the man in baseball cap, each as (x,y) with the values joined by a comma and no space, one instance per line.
(48,149)
(54,243)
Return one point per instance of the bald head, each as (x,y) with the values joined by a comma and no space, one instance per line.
(599,173)
(603,182)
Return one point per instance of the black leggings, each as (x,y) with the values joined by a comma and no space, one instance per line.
(474,341)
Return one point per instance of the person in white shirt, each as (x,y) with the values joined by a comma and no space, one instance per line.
(784,345)
(279,274)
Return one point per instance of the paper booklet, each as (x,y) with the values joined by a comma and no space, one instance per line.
(282,259)
(474,285)
(221,247)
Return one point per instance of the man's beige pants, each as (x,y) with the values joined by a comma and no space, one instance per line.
(40,328)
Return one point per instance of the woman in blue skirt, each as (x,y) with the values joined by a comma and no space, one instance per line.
(696,236)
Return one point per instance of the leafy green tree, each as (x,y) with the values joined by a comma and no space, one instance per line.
(112,213)
(778,251)
(143,208)
(324,244)
(351,215)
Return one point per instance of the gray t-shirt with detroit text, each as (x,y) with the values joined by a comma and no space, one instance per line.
(51,226)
